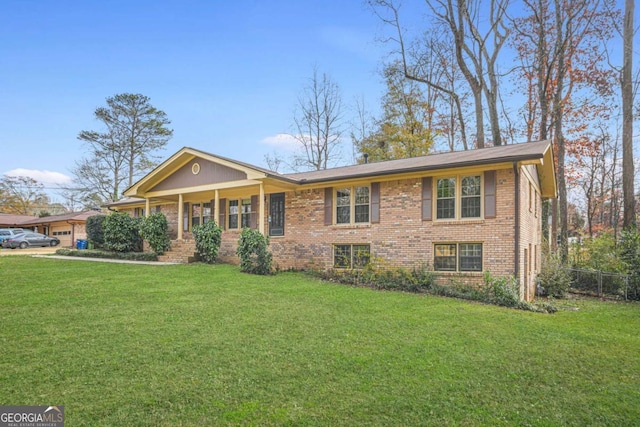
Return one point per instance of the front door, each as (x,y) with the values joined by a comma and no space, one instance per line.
(276,215)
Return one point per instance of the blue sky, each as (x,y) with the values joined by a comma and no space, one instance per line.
(227,73)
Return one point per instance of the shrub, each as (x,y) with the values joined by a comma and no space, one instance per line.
(630,255)
(599,253)
(255,258)
(504,291)
(95,229)
(554,276)
(155,230)
(129,256)
(208,238)
(121,233)
(377,275)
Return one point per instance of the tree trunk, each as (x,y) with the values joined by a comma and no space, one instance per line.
(477,96)
(629,220)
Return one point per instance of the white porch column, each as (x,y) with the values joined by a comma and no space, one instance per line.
(261,210)
(147,207)
(216,207)
(180,216)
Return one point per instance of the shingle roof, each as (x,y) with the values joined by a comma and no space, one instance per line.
(14,220)
(530,151)
(504,153)
(74,216)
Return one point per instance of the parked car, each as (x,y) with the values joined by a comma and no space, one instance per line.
(25,240)
(6,233)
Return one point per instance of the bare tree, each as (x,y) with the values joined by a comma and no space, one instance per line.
(477,40)
(560,45)
(361,128)
(318,123)
(432,58)
(419,65)
(274,161)
(99,177)
(22,195)
(595,172)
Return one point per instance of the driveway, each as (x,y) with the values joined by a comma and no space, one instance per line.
(48,250)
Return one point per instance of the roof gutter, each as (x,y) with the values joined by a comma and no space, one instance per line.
(509,159)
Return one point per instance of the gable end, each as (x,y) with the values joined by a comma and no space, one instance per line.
(207,173)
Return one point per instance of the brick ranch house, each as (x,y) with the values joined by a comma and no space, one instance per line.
(461,212)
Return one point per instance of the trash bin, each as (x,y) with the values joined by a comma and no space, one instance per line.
(81,244)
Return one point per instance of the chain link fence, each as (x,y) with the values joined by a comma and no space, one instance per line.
(604,284)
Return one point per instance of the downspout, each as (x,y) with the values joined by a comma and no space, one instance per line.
(516,261)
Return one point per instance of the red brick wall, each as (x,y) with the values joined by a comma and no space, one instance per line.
(401,238)
(530,231)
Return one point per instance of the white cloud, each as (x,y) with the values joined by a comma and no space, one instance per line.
(45,177)
(282,141)
(351,40)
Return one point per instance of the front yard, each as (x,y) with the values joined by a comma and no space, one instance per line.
(200,345)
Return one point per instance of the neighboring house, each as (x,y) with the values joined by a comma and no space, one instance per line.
(66,227)
(463,213)
(13,221)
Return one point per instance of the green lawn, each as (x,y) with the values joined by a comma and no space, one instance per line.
(195,345)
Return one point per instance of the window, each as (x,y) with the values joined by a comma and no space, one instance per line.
(446,204)
(195,214)
(138,212)
(361,204)
(352,205)
(200,213)
(465,191)
(246,213)
(470,256)
(445,258)
(351,256)
(470,197)
(343,206)
(458,257)
(206,212)
(233,214)
(185,217)
(239,214)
